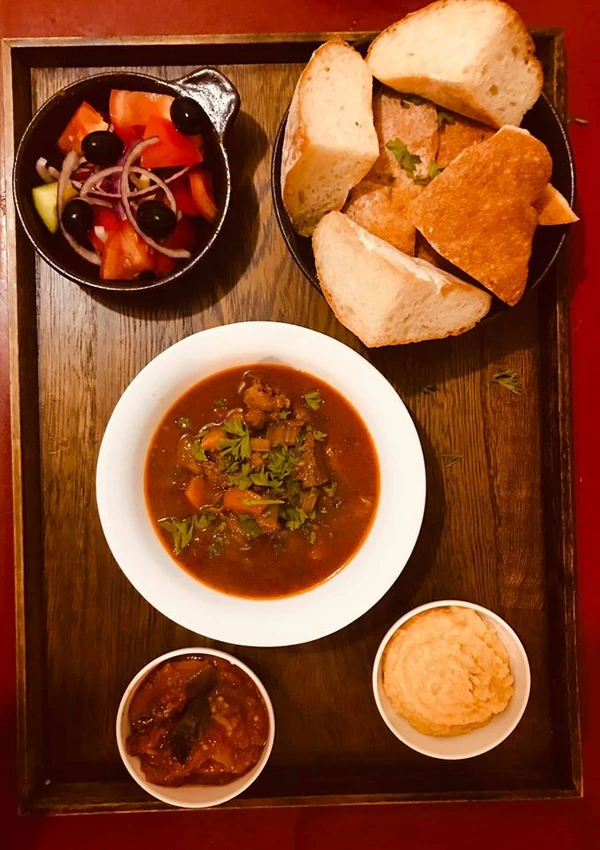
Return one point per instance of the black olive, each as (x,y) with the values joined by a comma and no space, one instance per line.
(187,115)
(78,218)
(102,148)
(155,219)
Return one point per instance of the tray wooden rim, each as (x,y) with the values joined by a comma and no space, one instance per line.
(47,800)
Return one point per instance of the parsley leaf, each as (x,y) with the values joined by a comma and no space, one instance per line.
(293,517)
(184,422)
(220,402)
(407,99)
(249,526)
(283,414)
(444,117)
(197,451)
(260,479)
(181,530)
(313,399)
(432,171)
(238,445)
(239,475)
(408,161)
(281,462)
(320,436)
(451,459)
(330,489)
(249,502)
(509,380)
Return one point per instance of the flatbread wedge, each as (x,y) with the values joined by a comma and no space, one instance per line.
(479,212)
(386,297)
(330,141)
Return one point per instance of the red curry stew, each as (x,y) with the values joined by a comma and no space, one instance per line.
(262,481)
(197,720)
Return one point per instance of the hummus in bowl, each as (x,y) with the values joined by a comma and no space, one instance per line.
(451,679)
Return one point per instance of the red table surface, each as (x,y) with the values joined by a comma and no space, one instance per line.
(569,824)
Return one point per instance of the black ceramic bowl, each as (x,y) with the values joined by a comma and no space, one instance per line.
(220,102)
(542,121)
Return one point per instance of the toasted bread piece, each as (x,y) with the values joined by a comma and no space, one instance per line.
(424,251)
(330,141)
(478,213)
(414,124)
(459,135)
(380,210)
(553,208)
(474,57)
(386,297)
(379,201)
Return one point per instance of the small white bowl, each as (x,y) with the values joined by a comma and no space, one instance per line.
(480,740)
(136,545)
(190,796)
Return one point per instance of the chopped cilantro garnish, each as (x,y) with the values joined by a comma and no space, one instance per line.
(313,399)
(281,462)
(221,402)
(239,475)
(408,161)
(320,436)
(283,414)
(184,422)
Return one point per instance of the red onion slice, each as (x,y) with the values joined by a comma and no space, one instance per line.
(70,163)
(46,172)
(89,187)
(135,153)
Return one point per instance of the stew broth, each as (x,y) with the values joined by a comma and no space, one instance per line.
(262,481)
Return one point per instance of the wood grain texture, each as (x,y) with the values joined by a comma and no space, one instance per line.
(497,528)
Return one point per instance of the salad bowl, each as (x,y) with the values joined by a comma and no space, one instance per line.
(219,103)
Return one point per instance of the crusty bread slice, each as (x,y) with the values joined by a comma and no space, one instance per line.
(478,213)
(330,141)
(457,136)
(553,208)
(474,57)
(379,201)
(386,297)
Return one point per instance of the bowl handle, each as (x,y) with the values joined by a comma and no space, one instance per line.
(217,96)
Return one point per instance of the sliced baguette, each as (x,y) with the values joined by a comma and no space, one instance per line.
(330,141)
(380,209)
(478,213)
(474,57)
(553,208)
(386,297)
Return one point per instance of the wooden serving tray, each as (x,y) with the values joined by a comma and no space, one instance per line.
(498,527)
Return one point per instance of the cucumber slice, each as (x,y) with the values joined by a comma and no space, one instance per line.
(45,202)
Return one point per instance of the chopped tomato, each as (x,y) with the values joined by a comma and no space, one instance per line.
(183,196)
(172,148)
(125,255)
(106,219)
(202,193)
(130,111)
(85,120)
(184,236)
